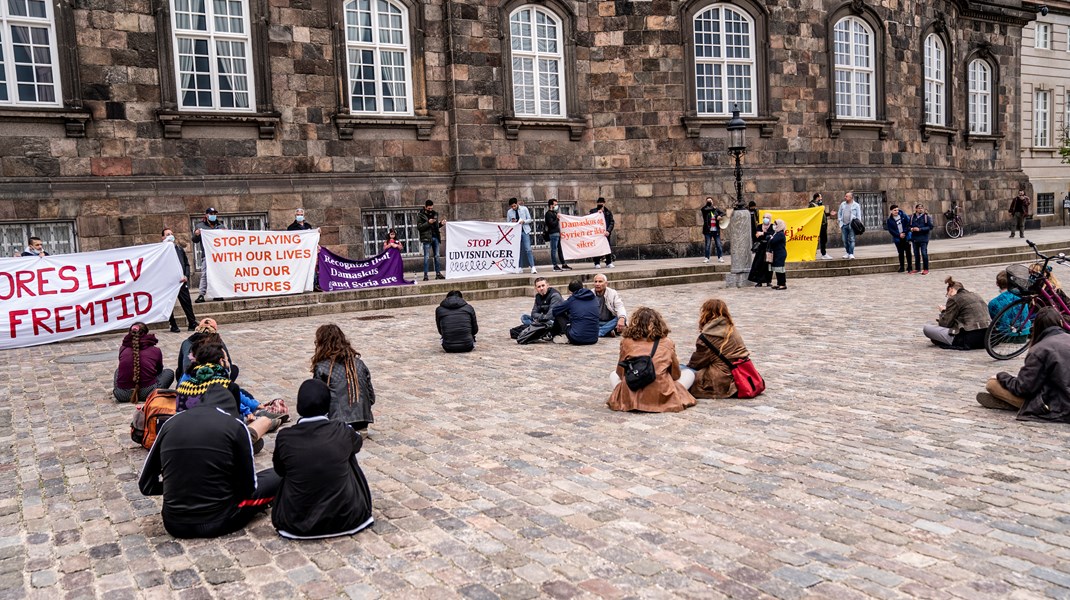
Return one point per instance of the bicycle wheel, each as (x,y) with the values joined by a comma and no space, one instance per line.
(953,228)
(1008,334)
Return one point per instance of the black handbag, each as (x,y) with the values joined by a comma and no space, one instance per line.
(755,247)
(639,370)
(858,226)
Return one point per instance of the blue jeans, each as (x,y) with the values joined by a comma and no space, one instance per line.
(921,253)
(848,239)
(715,238)
(604,327)
(555,249)
(431,249)
(525,250)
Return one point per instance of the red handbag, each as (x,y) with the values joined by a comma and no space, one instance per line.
(749,382)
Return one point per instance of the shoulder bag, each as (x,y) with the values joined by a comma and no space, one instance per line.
(748,382)
(858,227)
(639,370)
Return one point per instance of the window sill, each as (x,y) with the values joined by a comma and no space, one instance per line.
(348,123)
(836,125)
(74,120)
(173,120)
(693,124)
(513,125)
(927,131)
(981,138)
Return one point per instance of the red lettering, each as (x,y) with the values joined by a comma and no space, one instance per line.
(115,267)
(147,297)
(125,314)
(42,281)
(89,279)
(10,286)
(134,275)
(22,278)
(13,320)
(87,310)
(103,304)
(38,316)
(63,274)
(59,319)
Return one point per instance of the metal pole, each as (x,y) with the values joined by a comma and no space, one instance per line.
(739,182)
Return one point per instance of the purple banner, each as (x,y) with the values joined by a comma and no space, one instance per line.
(337,273)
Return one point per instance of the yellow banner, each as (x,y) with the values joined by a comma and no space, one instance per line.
(803,231)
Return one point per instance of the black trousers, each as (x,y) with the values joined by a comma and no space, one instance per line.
(823,239)
(903,246)
(267,486)
(187,307)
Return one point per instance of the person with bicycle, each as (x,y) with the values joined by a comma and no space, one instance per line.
(963,321)
(1041,390)
(898,226)
(920,226)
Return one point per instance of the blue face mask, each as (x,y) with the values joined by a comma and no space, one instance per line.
(212,218)
(299,218)
(169,238)
(766,220)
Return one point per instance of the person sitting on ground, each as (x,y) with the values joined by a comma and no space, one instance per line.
(612,316)
(337,364)
(202,463)
(578,315)
(1041,390)
(323,491)
(210,370)
(546,298)
(456,323)
(962,322)
(185,350)
(1003,300)
(668,392)
(140,366)
(713,378)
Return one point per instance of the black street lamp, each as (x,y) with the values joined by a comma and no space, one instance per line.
(737,147)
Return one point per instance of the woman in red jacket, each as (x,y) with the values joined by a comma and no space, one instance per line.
(140,366)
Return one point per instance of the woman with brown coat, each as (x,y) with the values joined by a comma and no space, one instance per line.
(668,392)
(713,378)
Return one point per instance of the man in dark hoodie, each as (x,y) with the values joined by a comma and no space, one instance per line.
(324,492)
(579,315)
(456,322)
(202,463)
(546,298)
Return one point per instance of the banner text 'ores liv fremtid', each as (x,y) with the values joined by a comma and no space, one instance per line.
(475,248)
(54,298)
(245,264)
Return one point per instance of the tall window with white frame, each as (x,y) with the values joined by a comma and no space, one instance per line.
(380,65)
(854,54)
(1042,36)
(1041,118)
(724,61)
(935,78)
(538,57)
(979,77)
(29,68)
(212,46)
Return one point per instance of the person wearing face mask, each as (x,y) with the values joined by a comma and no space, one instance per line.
(962,321)
(552,229)
(711,229)
(210,221)
(759,267)
(183,291)
(299,221)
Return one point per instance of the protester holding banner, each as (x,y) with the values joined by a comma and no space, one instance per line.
(35,247)
(777,254)
(429,225)
(209,221)
(552,222)
(600,207)
(337,364)
(456,322)
(717,334)
(299,224)
(141,367)
(823,237)
(183,292)
(759,268)
(668,392)
(521,214)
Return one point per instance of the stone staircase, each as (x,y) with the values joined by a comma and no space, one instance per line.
(631,275)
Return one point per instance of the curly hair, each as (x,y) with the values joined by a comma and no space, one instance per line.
(332,345)
(711,309)
(646,324)
(137,331)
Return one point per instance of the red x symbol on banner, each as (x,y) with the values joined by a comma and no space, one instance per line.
(505,235)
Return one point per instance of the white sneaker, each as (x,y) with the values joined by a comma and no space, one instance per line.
(611,266)
(847,256)
(706,261)
(720,260)
(851,256)
(826,257)
(533,271)
(598,265)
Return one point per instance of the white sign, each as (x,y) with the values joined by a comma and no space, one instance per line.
(476,248)
(54,298)
(583,237)
(245,264)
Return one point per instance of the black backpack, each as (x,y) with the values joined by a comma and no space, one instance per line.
(639,370)
(858,226)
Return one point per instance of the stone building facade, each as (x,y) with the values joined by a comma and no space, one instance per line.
(149,111)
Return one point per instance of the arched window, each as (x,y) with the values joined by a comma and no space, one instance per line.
(212,45)
(378,57)
(854,69)
(935,81)
(979,84)
(724,61)
(537,54)
(29,57)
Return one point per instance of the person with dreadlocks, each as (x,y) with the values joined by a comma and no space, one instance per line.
(337,364)
(140,366)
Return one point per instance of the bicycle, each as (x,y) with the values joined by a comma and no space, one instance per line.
(954,226)
(1008,334)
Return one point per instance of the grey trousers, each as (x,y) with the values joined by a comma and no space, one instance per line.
(938,334)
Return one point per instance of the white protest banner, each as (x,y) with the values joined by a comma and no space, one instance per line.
(244,264)
(478,248)
(583,237)
(54,298)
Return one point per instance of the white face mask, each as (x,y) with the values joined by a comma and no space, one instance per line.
(300,218)
(766,221)
(169,238)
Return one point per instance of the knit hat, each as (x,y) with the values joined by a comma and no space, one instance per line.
(313,398)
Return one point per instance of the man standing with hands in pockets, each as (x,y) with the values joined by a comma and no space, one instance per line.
(521,214)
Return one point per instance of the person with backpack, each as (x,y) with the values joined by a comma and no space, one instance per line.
(713,378)
(323,492)
(647,335)
(337,364)
(921,223)
(141,367)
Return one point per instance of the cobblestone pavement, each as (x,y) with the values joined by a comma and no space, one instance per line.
(866,470)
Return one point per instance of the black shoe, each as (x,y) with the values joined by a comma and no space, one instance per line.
(1021,235)
(757,285)
(439,276)
(175,329)
(201,297)
(566,267)
(556,268)
(217,299)
(425,277)
(901,270)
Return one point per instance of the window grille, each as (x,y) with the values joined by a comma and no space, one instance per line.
(56,236)
(246,222)
(538,228)
(377,223)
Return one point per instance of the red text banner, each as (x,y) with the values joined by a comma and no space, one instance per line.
(477,248)
(584,237)
(54,298)
(245,264)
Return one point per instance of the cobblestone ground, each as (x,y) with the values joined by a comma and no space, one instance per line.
(866,470)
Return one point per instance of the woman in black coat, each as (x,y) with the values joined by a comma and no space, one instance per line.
(759,267)
(778,248)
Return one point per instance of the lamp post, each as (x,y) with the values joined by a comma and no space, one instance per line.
(740,225)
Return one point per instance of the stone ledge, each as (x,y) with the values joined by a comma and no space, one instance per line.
(976,138)
(173,120)
(693,124)
(927,131)
(73,119)
(513,125)
(836,124)
(348,123)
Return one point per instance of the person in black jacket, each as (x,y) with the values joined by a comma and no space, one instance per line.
(711,228)
(202,463)
(546,298)
(778,250)
(299,223)
(552,230)
(323,491)
(578,315)
(608,215)
(456,322)
(183,292)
